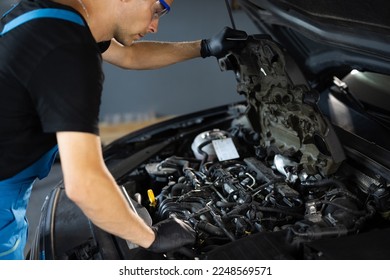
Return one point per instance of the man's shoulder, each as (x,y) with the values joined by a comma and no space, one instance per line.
(57,24)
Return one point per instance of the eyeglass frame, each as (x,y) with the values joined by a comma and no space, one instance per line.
(165,4)
(166,9)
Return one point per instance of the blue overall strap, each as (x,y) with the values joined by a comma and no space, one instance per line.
(43,13)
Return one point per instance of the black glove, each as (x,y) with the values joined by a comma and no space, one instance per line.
(171,234)
(218,45)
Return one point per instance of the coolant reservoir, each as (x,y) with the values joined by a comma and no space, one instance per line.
(202,145)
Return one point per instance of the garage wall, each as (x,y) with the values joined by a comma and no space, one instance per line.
(181,88)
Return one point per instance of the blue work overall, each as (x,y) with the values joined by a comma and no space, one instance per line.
(14,196)
(15,191)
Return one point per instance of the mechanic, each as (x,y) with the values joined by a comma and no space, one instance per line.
(51,79)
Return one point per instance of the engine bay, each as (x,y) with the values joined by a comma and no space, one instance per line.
(225,201)
(275,174)
(269,178)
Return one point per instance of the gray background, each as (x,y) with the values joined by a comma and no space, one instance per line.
(177,89)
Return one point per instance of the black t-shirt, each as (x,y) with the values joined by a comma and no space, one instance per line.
(50,80)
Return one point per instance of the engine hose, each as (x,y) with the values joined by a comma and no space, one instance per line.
(281,211)
(361,221)
(345,193)
(324,183)
(248,221)
(209,228)
(177,189)
(225,204)
(315,233)
(239,209)
(176,162)
(263,186)
(205,155)
(195,196)
(355,212)
(217,218)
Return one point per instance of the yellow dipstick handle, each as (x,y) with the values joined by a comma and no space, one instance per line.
(152,198)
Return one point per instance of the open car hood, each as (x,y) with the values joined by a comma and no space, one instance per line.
(282,84)
(324,34)
(283,109)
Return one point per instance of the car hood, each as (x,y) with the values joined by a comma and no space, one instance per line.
(327,34)
(282,108)
(301,47)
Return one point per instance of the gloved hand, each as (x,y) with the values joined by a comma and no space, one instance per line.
(171,234)
(218,45)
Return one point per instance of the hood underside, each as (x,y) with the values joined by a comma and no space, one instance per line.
(323,34)
(283,111)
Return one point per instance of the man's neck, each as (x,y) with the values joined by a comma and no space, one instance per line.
(90,11)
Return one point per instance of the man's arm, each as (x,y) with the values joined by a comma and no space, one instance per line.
(150,55)
(90,185)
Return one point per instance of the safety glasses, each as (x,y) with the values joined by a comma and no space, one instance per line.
(160,8)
